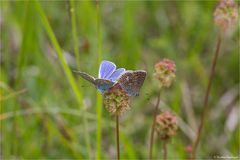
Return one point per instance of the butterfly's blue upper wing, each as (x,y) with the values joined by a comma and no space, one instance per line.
(116,74)
(106,69)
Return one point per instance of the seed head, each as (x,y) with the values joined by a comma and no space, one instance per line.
(226,15)
(116,100)
(165,72)
(166,125)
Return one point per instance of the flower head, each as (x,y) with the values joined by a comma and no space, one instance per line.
(226,15)
(116,100)
(166,125)
(165,72)
(189,149)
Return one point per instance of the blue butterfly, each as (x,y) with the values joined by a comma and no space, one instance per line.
(108,76)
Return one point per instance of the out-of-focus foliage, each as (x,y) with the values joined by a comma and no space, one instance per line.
(40,116)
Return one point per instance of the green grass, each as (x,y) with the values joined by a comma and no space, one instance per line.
(47,112)
(68,73)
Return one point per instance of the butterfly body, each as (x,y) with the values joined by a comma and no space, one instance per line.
(130,81)
(103,84)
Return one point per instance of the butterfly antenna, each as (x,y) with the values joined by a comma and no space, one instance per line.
(75,71)
(78,72)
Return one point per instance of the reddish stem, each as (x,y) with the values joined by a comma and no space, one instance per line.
(205,104)
(117,136)
(165,150)
(153,126)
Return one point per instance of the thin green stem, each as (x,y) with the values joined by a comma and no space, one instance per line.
(117,136)
(99,125)
(74,33)
(153,125)
(13,95)
(67,71)
(86,134)
(165,150)
(99,32)
(205,104)
(20,64)
(77,55)
(99,96)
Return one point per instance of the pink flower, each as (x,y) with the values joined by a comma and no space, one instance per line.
(165,72)
(226,15)
(166,125)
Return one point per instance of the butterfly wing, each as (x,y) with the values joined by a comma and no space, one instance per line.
(103,84)
(106,69)
(116,74)
(132,81)
(86,76)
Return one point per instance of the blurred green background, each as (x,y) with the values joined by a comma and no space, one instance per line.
(48,112)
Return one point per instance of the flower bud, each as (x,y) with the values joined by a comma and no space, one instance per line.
(116,100)
(166,125)
(226,15)
(165,72)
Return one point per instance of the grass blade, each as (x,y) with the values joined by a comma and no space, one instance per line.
(66,70)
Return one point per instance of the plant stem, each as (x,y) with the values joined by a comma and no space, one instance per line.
(99,32)
(117,136)
(21,62)
(153,126)
(165,150)
(99,96)
(205,104)
(77,56)
(74,33)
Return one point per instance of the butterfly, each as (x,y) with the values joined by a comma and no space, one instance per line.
(132,81)
(108,76)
